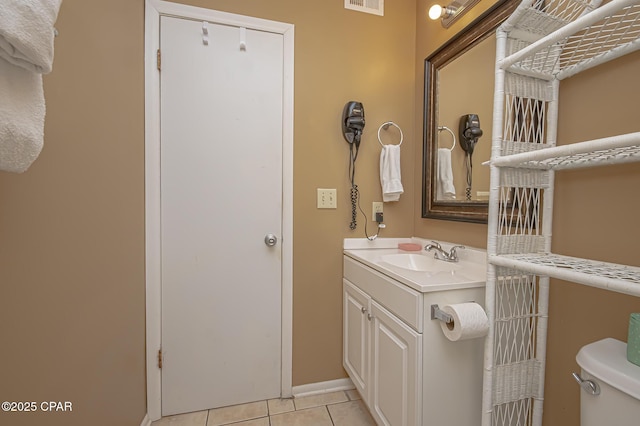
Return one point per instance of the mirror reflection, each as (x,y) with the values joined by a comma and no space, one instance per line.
(459,82)
(465,89)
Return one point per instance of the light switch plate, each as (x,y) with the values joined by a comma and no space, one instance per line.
(327,198)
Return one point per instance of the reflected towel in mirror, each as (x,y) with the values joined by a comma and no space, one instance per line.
(390,176)
(445,190)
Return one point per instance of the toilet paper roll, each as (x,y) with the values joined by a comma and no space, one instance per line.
(469,321)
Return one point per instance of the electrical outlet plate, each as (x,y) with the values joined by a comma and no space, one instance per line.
(327,198)
(377,208)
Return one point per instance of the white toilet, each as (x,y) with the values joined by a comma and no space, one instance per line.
(610,394)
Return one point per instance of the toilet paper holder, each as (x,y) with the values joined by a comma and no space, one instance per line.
(437,313)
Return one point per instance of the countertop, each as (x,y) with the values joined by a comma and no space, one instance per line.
(468,272)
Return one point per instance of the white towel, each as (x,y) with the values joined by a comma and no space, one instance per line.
(21,117)
(390,177)
(26,33)
(445,190)
(26,52)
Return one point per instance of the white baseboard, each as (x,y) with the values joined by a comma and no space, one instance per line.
(322,387)
(146,421)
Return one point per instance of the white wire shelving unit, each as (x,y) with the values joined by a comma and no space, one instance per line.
(540,44)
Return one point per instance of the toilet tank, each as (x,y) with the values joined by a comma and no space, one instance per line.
(618,404)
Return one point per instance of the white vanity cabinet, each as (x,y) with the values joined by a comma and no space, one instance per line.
(407,372)
(381,355)
(356,326)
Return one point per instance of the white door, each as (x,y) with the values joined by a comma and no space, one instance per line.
(221,194)
(396,370)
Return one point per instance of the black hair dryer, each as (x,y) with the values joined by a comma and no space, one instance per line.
(352,126)
(469,131)
(353,122)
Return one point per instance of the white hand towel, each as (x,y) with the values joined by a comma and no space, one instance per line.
(26,33)
(26,52)
(390,176)
(21,117)
(445,190)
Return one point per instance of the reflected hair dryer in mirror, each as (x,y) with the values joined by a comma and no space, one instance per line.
(469,131)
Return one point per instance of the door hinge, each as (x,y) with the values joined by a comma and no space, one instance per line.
(160,359)
(158,59)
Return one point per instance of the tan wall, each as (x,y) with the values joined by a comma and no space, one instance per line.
(72,228)
(595,214)
(72,231)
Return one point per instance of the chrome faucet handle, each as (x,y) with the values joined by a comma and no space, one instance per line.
(453,253)
(434,244)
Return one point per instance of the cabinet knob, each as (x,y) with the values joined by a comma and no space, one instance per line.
(369,317)
(364,310)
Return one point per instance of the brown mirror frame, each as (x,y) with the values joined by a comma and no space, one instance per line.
(478,30)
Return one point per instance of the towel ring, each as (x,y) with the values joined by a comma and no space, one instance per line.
(441,128)
(385,126)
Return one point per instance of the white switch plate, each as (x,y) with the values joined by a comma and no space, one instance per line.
(327,198)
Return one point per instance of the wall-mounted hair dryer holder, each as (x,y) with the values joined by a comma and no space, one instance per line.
(353,122)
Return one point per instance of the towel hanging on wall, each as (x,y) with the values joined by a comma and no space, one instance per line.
(21,117)
(27,33)
(26,52)
(390,175)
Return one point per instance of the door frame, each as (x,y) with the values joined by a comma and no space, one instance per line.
(154,9)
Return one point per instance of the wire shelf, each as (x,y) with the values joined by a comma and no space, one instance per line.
(541,43)
(612,150)
(598,36)
(609,276)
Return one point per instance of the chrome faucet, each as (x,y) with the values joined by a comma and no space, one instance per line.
(440,254)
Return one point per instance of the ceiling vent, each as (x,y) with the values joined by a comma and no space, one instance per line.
(369,6)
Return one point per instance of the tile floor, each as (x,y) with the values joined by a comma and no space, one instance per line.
(343,408)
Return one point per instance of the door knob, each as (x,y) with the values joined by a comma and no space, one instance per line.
(270,240)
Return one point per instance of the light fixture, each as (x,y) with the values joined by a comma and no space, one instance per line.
(450,13)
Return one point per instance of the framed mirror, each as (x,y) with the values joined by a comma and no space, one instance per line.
(458,109)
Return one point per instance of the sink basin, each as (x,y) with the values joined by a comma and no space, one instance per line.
(418,269)
(418,262)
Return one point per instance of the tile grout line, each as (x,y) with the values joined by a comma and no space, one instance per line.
(326,407)
(295,409)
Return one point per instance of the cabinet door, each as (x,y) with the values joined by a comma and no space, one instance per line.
(396,370)
(356,336)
